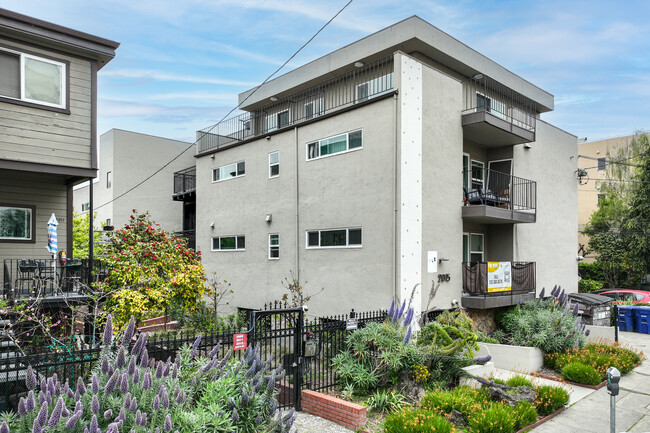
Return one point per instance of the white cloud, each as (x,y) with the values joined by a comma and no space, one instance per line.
(163,76)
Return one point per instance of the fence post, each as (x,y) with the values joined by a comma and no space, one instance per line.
(298,351)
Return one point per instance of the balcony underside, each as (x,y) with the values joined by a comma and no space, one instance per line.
(485,214)
(487,301)
(487,129)
(185,196)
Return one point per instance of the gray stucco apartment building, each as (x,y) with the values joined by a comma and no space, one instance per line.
(404,160)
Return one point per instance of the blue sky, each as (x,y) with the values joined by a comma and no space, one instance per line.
(182,63)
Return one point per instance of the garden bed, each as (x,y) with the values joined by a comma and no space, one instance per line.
(543,420)
(558,378)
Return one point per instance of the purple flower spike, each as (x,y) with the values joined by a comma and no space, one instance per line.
(94,384)
(482,359)
(131,368)
(235,415)
(110,385)
(36,427)
(56,413)
(128,332)
(94,405)
(156,403)
(30,378)
(391,310)
(124,385)
(108,332)
(168,423)
(576,309)
(120,361)
(21,407)
(541,294)
(561,298)
(30,403)
(409,317)
(72,421)
(214,350)
(108,413)
(159,370)
(401,309)
(134,404)
(105,366)
(407,337)
(175,371)
(195,346)
(93,424)
(136,376)
(146,381)
(81,386)
(42,415)
(4,428)
(139,344)
(144,358)
(127,400)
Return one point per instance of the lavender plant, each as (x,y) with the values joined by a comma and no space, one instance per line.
(128,392)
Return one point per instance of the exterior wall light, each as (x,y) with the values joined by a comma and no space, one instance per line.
(273,99)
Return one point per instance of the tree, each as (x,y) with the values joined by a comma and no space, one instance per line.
(80,227)
(150,270)
(618,230)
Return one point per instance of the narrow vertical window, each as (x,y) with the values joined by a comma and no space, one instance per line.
(109,179)
(274,164)
(274,247)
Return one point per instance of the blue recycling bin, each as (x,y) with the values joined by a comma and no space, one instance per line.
(625,318)
(641,316)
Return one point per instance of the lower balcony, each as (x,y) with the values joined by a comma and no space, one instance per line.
(189,235)
(497,284)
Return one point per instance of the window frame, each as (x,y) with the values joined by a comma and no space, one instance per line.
(273,164)
(85,207)
(276,117)
(467,247)
(64,82)
(236,237)
(467,171)
(321,108)
(318,144)
(602,164)
(388,78)
(347,238)
(109,179)
(275,247)
(32,222)
(472,178)
(237,174)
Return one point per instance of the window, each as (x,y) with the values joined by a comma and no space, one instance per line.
(472,247)
(274,164)
(16,223)
(277,120)
(466,170)
(314,108)
(274,247)
(602,164)
(229,243)
(32,79)
(478,174)
(337,238)
(329,146)
(229,171)
(374,87)
(85,207)
(109,179)
(492,106)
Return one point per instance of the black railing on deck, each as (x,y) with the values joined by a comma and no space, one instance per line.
(185,181)
(190,235)
(475,279)
(493,188)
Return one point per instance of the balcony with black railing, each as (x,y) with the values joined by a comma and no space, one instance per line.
(189,235)
(495,115)
(185,185)
(482,290)
(492,197)
(358,86)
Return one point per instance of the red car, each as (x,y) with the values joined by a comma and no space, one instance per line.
(621,295)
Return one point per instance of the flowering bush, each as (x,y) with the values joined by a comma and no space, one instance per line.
(150,270)
(549,399)
(581,373)
(417,421)
(128,392)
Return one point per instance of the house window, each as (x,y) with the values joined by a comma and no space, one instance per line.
(229,171)
(337,238)
(85,207)
(229,243)
(602,164)
(32,79)
(109,179)
(340,143)
(473,247)
(16,223)
(274,164)
(277,120)
(314,108)
(374,87)
(478,174)
(274,247)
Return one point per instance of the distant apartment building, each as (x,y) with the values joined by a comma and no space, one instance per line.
(401,162)
(128,158)
(593,159)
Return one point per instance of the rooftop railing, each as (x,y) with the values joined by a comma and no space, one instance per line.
(345,90)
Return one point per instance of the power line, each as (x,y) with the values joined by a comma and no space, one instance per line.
(231,111)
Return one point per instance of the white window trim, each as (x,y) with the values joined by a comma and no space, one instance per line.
(471,168)
(109,179)
(275,163)
(469,247)
(275,246)
(229,178)
(63,82)
(348,150)
(227,236)
(321,106)
(347,237)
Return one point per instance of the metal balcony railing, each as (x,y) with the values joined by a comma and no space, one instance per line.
(185,181)
(475,279)
(493,188)
(351,88)
(190,235)
(486,94)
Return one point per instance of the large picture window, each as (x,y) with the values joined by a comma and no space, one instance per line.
(336,238)
(16,223)
(32,79)
(229,171)
(229,243)
(337,144)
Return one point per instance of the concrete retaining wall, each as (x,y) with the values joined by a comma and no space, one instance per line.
(513,358)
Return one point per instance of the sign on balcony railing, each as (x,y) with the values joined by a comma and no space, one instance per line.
(499,277)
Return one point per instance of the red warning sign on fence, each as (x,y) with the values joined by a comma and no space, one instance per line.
(239,341)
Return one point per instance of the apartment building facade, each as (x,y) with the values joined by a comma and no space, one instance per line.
(401,162)
(128,158)
(48,129)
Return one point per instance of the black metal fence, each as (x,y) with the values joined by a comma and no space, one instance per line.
(320,340)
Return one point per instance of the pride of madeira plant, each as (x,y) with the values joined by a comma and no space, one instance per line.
(129,392)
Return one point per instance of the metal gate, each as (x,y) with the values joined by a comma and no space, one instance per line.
(278,334)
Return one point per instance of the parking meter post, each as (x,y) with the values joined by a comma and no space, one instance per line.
(613,378)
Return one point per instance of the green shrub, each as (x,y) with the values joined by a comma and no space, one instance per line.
(591,271)
(416,421)
(497,418)
(581,373)
(589,286)
(525,414)
(549,399)
(600,356)
(451,333)
(519,381)
(499,381)
(385,401)
(464,399)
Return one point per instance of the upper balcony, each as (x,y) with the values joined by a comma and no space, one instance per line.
(495,115)
(492,197)
(356,87)
(185,185)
